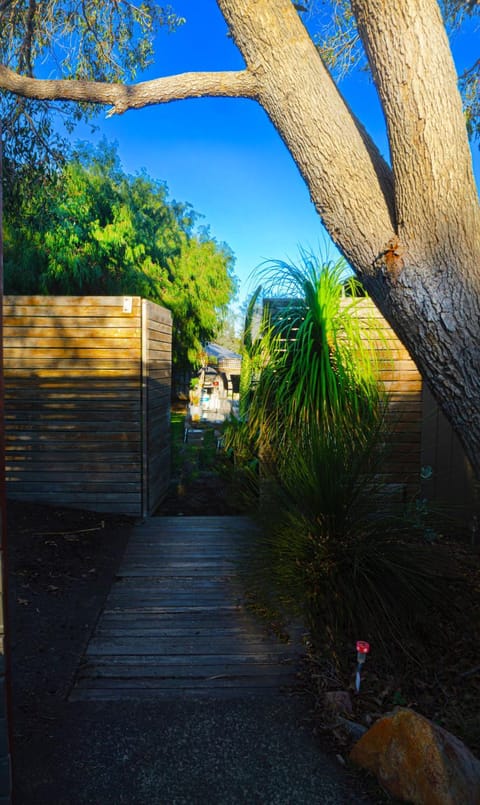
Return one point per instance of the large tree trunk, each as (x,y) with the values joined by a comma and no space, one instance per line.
(412,233)
(414,236)
(434,299)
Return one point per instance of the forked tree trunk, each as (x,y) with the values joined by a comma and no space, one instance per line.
(434,296)
(411,234)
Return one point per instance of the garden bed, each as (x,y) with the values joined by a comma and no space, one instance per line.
(61,564)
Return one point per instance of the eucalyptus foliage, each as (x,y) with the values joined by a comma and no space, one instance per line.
(88,40)
(94,230)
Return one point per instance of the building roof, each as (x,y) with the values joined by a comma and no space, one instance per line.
(221,353)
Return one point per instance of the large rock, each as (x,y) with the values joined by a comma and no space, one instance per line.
(418,762)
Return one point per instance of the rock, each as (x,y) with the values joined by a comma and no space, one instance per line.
(419,762)
(338,701)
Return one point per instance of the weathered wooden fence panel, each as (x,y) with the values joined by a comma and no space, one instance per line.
(448,475)
(73,397)
(426,454)
(403,382)
(157,376)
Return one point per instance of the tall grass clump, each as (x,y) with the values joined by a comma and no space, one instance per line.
(333,551)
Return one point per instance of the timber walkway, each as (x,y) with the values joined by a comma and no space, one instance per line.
(175,624)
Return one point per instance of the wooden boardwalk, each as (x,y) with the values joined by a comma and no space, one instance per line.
(175,624)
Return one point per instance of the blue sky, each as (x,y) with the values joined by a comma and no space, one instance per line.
(224,156)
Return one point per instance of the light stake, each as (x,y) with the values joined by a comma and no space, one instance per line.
(362,650)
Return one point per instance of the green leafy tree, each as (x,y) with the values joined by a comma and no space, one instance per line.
(95,230)
(228,335)
(203,268)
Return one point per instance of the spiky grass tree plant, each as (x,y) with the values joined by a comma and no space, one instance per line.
(332,551)
(321,371)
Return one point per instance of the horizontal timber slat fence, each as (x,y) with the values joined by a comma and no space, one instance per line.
(87,401)
(403,382)
(425,448)
(425,458)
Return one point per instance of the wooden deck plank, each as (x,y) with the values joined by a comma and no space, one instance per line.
(153,684)
(152,579)
(190,550)
(186,647)
(175,623)
(190,691)
(114,665)
(188,671)
(121,630)
(176,610)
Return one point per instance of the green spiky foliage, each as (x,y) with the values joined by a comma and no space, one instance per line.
(333,550)
(321,366)
(251,352)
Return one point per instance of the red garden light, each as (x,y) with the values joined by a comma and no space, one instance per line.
(362,650)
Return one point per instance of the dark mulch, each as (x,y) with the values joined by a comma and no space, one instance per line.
(61,565)
(205,496)
(438,676)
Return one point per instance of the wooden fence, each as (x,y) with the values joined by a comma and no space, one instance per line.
(157,363)
(87,400)
(448,477)
(403,382)
(426,454)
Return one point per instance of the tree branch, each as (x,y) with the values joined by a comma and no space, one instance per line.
(122,97)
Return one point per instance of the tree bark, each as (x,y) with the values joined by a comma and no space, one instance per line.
(229,84)
(433,296)
(413,238)
(412,234)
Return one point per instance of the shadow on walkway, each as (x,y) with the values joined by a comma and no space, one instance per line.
(224,729)
(175,622)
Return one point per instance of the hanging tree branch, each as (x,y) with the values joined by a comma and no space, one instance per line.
(123,97)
